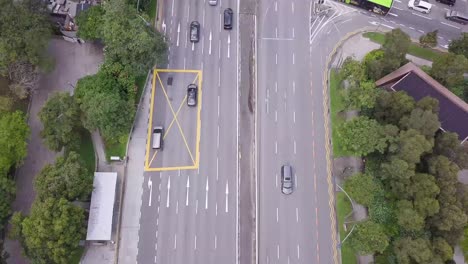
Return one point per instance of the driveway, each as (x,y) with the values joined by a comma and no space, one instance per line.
(72,61)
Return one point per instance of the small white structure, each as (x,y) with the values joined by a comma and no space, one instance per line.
(102,207)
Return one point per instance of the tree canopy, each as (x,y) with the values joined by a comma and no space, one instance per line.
(60,117)
(368,237)
(24,33)
(68,178)
(90,23)
(460,46)
(13,136)
(448,69)
(361,188)
(7,195)
(52,231)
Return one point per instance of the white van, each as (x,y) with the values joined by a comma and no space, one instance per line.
(158,132)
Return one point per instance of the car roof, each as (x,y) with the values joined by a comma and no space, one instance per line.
(425,4)
(195,23)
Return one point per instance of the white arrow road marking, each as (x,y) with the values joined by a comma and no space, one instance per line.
(150,186)
(206,197)
(229,46)
(168,191)
(227,193)
(188,186)
(178,34)
(209,49)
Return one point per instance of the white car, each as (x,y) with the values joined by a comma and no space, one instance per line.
(421,6)
(213,2)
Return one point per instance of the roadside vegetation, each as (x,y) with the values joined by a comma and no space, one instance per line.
(417,208)
(108,99)
(415,49)
(344,209)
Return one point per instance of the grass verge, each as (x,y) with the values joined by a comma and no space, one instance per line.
(86,150)
(75,259)
(464,244)
(344,208)
(337,106)
(152,10)
(414,49)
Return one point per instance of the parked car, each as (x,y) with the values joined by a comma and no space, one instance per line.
(447,2)
(456,16)
(287,181)
(194,31)
(192,92)
(419,5)
(228,18)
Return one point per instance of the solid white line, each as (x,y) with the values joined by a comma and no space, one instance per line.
(298,255)
(215,242)
(293,33)
(294,87)
(217,167)
(416,14)
(411,28)
(196,206)
(420,31)
(276,87)
(175,241)
(294,146)
(277,214)
(276,147)
(447,24)
(216,208)
(293,59)
(276,32)
(276,180)
(276,116)
(172,9)
(297,214)
(195,246)
(256,148)
(390,27)
(276,58)
(294,117)
(276,6)
(219,77)
(292,7)
(277,251)
(219,50)
(218,107)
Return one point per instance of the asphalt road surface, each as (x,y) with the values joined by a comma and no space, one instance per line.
(190,216)
(300,227)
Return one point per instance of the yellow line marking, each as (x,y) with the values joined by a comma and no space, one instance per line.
(154,156)
(176,120)
(148,139)
(178,71)
(172,168)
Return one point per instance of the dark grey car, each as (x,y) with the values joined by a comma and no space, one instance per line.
(194,31)
(192,92)
(228,18)
(287,181)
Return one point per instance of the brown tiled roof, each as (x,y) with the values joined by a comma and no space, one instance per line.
(453,113)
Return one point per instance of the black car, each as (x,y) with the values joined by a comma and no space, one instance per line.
(228,18)
(192,92)
(447,2)
(287,181)
(194,31)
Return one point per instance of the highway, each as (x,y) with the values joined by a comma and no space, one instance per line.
(190,216)
(296,228)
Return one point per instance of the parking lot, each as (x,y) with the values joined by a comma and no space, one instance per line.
(178,144)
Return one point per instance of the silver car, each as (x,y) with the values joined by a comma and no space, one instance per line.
(213,2)
(287,181)
(192,92)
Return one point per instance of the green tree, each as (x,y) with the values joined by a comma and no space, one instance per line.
(373,64)
(425,122)
(395,47)
(429,39)
(362,136)
(447,144)
(368,238)
(13,145)
(7,195)
(52,231)
(442,248)
(24,33)
(428,104)
(408,217)
(409,250)
(424,191)
(459,46)
(129,40)
(105,106)
(361,188)
(91,23)
(412,145)
(361,96)
(397,175)
(68,178)
(353,71)
(60,117)
(390,107)
(449,68)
